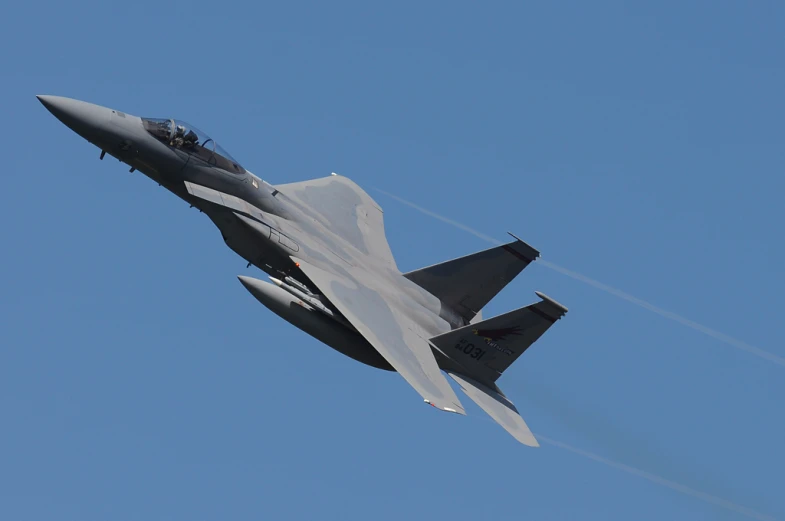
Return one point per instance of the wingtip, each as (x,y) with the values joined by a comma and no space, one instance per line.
(563,309)
(529,251)
(528,439)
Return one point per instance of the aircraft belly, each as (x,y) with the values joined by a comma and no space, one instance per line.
(315,323)
(335,336)
(251,243)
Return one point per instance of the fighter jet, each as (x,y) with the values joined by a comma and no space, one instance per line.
(323,245)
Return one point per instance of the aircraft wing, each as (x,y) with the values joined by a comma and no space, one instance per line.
(343,208)
(379,319)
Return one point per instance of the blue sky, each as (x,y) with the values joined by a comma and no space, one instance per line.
(638,146)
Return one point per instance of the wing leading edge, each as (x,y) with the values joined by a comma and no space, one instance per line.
(346,210)
(389,331)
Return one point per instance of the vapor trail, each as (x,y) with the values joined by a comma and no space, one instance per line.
(678,487)
(722,337)
(673,485)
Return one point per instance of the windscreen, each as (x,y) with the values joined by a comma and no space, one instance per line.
(184,136)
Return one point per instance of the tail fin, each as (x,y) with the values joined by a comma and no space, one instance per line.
(498,407)
(485,349)
(467,284)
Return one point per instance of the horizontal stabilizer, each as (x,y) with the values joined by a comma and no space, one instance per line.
(467,284)
(485,349)
(498,407)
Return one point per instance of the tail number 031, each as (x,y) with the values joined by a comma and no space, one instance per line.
(470,349)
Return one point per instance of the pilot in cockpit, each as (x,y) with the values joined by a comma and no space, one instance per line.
(181,139)
(190,139)
(179,134)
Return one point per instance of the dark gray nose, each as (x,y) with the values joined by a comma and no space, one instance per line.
(86,119)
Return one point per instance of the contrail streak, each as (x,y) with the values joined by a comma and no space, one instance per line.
(654,478)
(678,487)
(722,337)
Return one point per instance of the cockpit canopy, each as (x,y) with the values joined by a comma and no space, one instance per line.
(186,137)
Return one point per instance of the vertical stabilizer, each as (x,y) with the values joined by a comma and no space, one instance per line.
(487,348)
(467,284)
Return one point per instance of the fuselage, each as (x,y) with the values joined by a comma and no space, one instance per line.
(192,166)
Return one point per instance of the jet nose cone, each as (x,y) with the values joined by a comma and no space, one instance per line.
(84,118)
(59,106)
(47,101)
